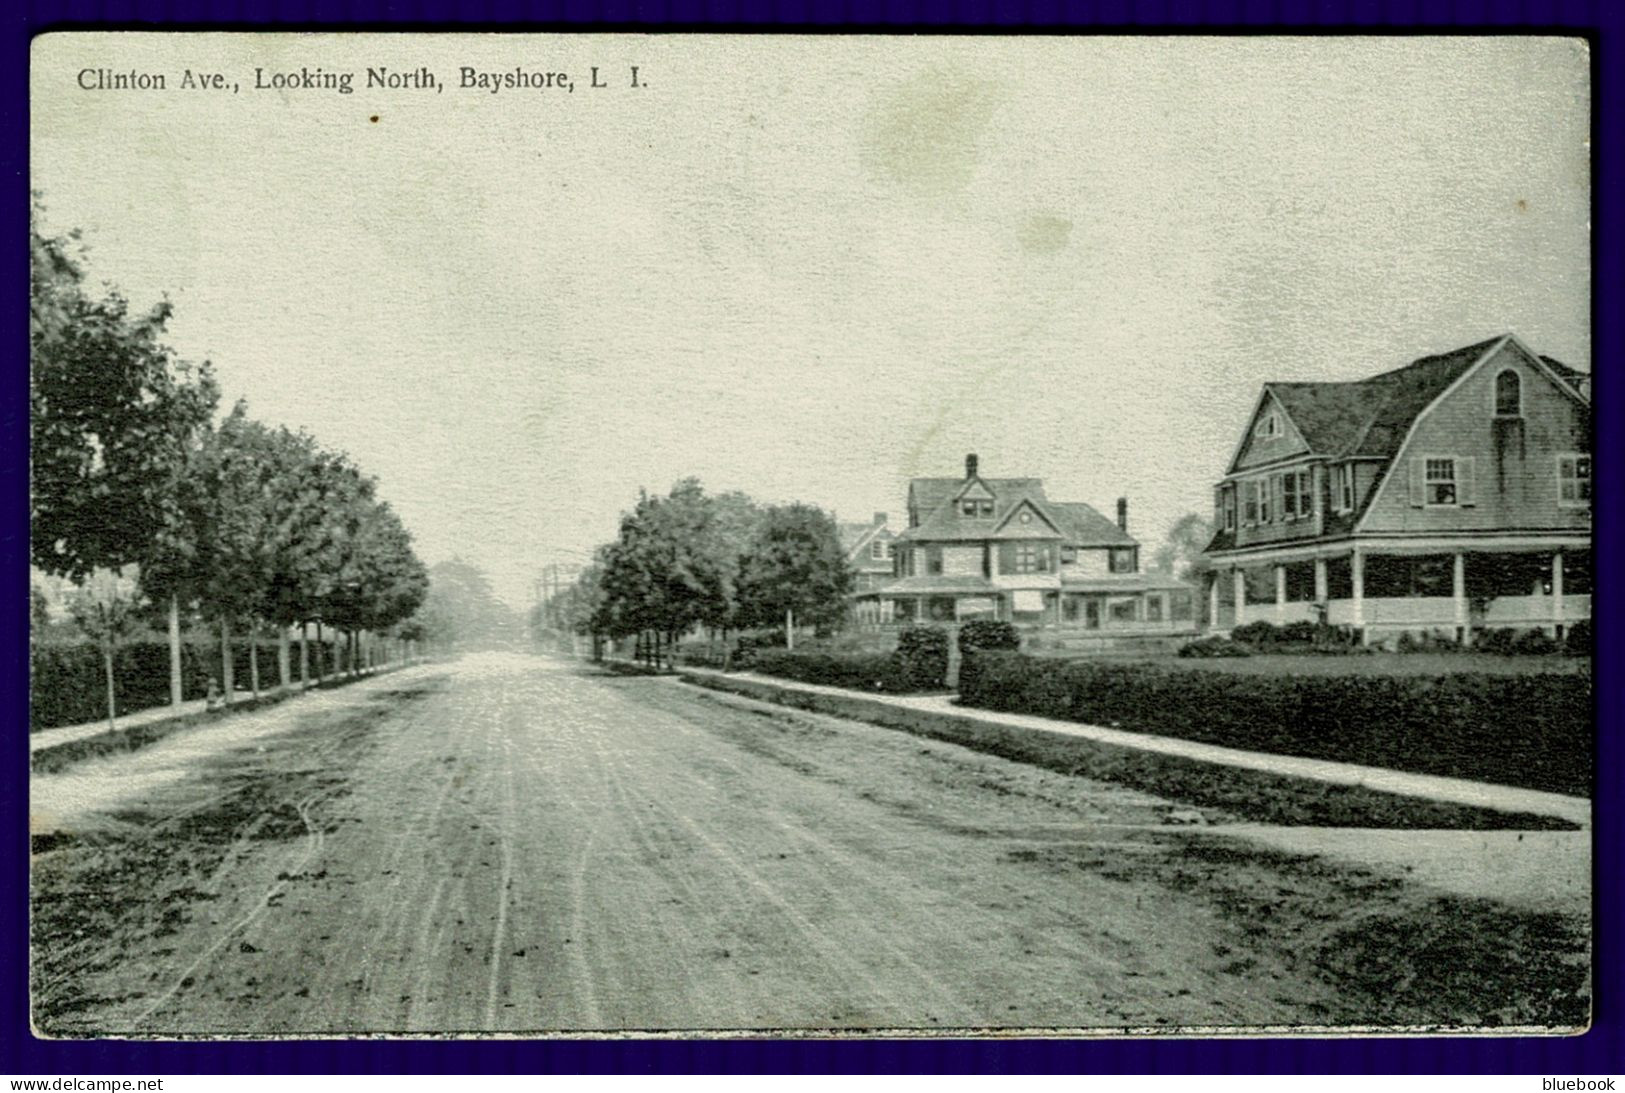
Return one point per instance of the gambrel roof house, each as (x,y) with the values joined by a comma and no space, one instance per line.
(1481,450)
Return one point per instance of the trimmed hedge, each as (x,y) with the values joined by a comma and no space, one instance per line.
(66,684)
(988,635)
(922,652)
(875,672)
(1530,730)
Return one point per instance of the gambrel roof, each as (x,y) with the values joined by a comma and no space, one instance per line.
(1370,418)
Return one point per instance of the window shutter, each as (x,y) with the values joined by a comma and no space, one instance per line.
(1466,481)
(1277,511)
(1418,482)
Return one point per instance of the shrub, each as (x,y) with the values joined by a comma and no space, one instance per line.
(988,634)
(1260,635)
(857,671)
(747,646)
(1214,646)
(1531,730)
(922,653)
(1577,640)
(1505,641)
(1534,643)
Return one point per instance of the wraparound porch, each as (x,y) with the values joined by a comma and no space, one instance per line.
(1388,588)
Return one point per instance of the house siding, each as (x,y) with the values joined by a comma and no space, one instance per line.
(1515,483)
(1257,451)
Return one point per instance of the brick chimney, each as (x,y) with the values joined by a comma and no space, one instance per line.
(970,465)
(880,518)
(1122,513)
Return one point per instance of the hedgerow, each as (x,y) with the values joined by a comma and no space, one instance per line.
(1531,730)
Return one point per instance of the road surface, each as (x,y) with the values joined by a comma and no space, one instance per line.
(514,844)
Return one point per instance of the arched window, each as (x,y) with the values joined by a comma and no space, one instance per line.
(1508,394)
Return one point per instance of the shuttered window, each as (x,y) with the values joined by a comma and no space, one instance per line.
(1442,481)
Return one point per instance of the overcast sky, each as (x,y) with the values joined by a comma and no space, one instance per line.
(811,268)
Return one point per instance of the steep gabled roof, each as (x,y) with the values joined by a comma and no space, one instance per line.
(936,499)
(1369,418)
(1083,525)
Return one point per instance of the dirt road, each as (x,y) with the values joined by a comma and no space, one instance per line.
(515,844)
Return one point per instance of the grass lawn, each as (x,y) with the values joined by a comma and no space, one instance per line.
(1381,664)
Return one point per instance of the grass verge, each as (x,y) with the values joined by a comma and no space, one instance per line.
(1246,794)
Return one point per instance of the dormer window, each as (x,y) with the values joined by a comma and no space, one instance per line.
(1268,427)
(1508,394)
(880,550)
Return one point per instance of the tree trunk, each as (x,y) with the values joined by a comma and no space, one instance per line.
(177,685)
(282,657)
(112,701)
(320,655)
(228,678)
(254,660)
(789,629)
(304,655)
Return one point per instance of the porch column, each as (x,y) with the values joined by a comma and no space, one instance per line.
(1280,594)
(1321,584)
(1458,589)
(1239,580)
(1357,595)
(1213,602)
(1557,589)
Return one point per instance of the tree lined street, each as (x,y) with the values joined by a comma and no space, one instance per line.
(514,843)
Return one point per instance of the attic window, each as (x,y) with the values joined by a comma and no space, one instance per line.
(1508,394)
(1269,427)
(1026,518)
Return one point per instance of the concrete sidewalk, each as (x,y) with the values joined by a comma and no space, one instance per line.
(1454,791)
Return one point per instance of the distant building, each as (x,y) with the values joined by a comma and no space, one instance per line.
(998,548)
(1449,495)
(870,553)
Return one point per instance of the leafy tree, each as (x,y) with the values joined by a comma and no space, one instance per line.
(114,420)
(669,569)
(106,606)
(795,567)
(460,611)
(1181,551)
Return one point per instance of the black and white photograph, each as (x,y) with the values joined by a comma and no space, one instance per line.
(560,535)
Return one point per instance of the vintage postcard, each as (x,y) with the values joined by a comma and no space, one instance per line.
(689,534)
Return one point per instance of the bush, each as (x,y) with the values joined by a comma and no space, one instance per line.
(922,652)
(1505,641)
(989,634)
(880,672)
(1214,647)
(1259,635)
(1427,641)
(747,646)
(1530,730)
(1577,639)
(1534,643)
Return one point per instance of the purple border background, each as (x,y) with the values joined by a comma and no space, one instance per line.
(1602,1050)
